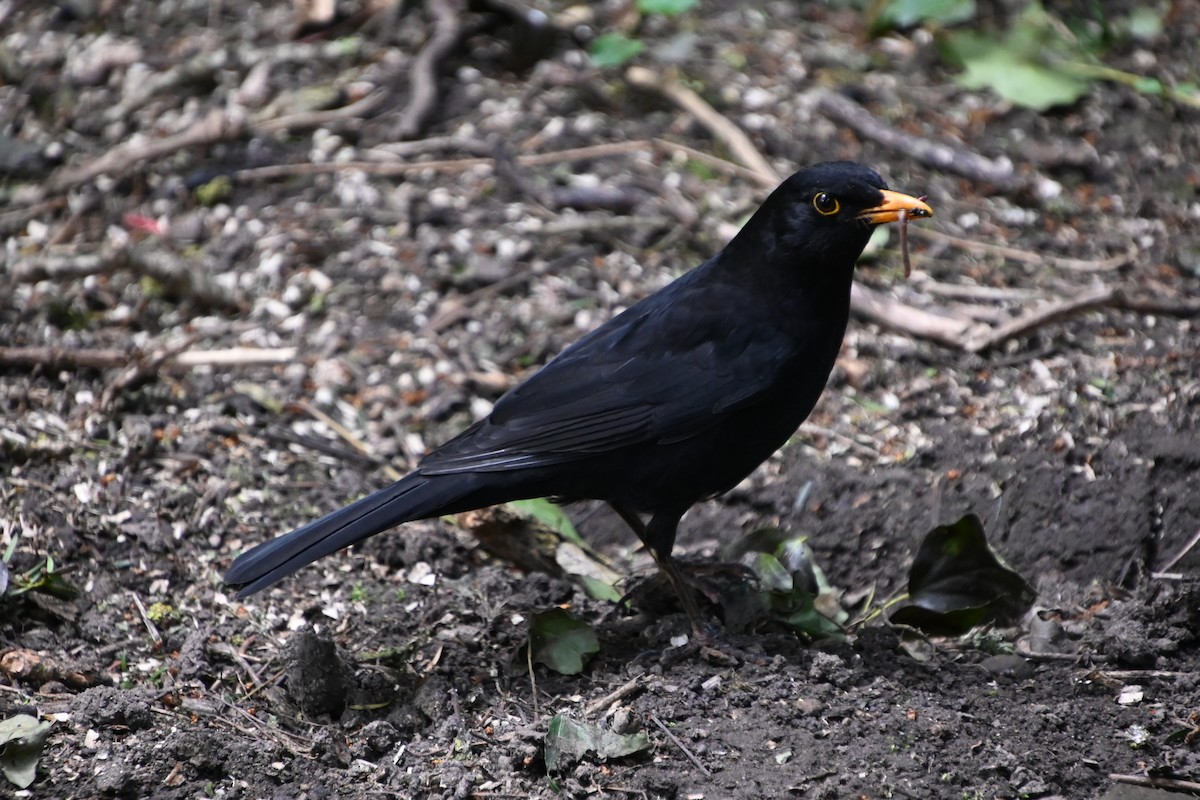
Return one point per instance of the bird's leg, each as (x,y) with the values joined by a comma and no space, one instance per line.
(670,567)
(659,537)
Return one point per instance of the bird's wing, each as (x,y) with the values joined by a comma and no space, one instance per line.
(663,371)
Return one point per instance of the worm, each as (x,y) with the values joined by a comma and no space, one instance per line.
(903,220)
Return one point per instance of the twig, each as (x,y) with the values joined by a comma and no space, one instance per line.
(234,357)
(238,657)
(175,274)
(151,628)
(768,180)
(453,165)
(101,358)
(849,441)
(208,62)
(839,108)
(1029,256)
(423,76)
(140,370)
(979,340)
(346,435)
(316,119)
(1141,674)
(613,697)
(460,308)
(914,321)
(683,749)
(1155,782)
(533,691)
(217,126)
(1187,548)
(739,143)
(13,221)
(972,291)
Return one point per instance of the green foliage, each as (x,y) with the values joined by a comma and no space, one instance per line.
(568,740)
(561,642)
(218,190)
(42,577)
(1025,65)
(22,738)
(907,13)
(792,590)
(1042,60)
(614,49)
(668,8)
(551,515)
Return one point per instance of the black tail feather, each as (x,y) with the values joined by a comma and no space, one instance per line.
(414,497)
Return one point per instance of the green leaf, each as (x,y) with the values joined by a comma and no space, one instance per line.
(807,620)
(791,589)
(561,642)
(957,582)
(614,49)
(668,8)
(1024,65)
(551,515)
(598,589)
(568,738)
(907,13)
(21,740)
(1022,82)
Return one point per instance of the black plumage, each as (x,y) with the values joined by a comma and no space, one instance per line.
(674,400)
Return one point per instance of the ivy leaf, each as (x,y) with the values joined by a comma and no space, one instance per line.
(561,642)
(615,49)
(957,582)
(668,8)
(1026,65)
(569,738)
(21,740)
(906,13)
(791,589)
(551,515)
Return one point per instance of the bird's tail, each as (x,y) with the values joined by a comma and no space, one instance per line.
(413,497)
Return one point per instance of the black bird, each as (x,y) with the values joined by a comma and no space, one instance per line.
(673,401)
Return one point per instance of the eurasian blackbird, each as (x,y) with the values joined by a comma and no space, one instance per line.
(672,401)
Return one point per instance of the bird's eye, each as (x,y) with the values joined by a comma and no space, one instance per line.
(826,204)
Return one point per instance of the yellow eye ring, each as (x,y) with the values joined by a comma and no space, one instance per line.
(826,204)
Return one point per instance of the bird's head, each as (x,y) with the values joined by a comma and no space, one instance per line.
(821,218)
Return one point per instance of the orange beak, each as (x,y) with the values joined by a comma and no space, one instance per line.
(893,203)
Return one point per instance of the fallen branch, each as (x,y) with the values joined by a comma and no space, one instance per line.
(1030,321)
(1156,782)
(318,119)
(454,165)
(109,358)
(205,64)
(174,274)
(1028,256)
(217,126)
(682,747)
(893,314)
(423,76)
(739,143)
(948,157)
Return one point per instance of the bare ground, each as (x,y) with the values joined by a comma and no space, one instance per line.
(415,297)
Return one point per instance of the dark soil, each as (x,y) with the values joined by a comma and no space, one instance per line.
(415,300)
